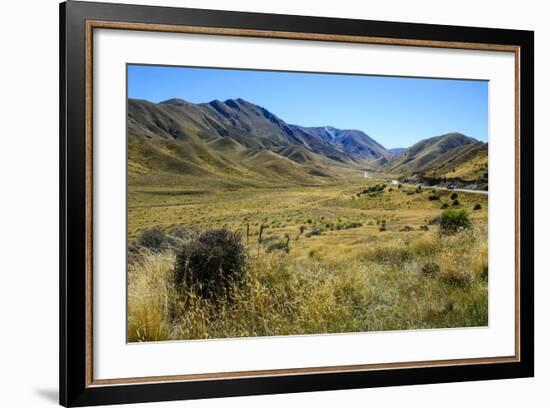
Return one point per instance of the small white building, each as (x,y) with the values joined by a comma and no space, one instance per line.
(366,174)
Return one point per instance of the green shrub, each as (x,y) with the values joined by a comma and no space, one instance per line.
(424,228)
(453,221)
(444,206)
(477,207)
(314,232)
(456,203)
(454,196)
(433,197)
(373,190)
(278,244)
(152,238)
(211,263)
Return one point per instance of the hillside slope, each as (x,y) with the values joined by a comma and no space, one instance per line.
(235,140)
(468,163)
(353,143)
(424,154)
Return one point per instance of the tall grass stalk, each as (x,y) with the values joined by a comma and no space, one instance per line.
(381,287)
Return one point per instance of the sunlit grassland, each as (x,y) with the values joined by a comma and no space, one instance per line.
(471,169)
(341,272)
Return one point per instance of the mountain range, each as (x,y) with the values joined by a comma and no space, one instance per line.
(236,139)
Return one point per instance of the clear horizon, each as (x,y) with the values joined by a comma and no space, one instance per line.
(394,111)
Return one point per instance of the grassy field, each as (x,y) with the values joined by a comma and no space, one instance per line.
(337,257)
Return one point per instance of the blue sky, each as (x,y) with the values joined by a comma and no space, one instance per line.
(395,111)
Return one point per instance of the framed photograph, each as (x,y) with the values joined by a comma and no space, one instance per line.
(256,204)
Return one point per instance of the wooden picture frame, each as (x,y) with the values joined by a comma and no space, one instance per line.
(78,20)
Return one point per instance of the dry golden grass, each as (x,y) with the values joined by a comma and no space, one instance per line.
(384,286)
(341,273)
(150,294)
(471,169)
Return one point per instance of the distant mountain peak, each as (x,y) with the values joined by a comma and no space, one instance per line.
(331,131)
(397,150)
(216,102)
(178,102)
(454,134)
(229,105)
(239,101)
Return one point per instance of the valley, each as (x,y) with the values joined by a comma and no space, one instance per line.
(328,250)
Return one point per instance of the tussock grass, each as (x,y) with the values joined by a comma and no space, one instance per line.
(150,294)
(383,286)
(318,261)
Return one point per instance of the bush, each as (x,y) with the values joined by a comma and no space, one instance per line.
(278,244)
(456,203)
(444,206)
(314,232)
(453,221)
(382,226)
(406,228)
(433,197)
(477,207)
(313,254)
(374,190)
(180,232)
(430,268)
(152,238)
(424,228)
(211,263)
(454,196)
